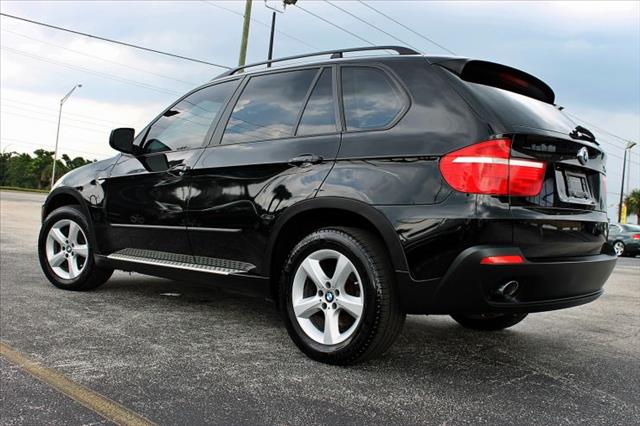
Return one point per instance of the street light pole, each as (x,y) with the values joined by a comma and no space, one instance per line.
(273,30)
(55,153)
(624,170)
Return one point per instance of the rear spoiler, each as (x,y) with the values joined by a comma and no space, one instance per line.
(496,75)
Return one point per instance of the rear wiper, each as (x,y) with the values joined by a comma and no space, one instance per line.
(584,134)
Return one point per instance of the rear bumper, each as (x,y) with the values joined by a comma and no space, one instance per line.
(469,286)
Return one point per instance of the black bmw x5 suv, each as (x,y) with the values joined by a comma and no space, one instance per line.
(352,191)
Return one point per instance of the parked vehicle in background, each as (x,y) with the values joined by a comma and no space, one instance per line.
(625,239)
(353,191)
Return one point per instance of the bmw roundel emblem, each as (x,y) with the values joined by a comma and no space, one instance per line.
(583,155)
(329,297)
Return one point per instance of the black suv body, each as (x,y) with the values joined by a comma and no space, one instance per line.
(445,185)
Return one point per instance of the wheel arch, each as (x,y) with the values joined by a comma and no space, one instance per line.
(61,197)
(306,216)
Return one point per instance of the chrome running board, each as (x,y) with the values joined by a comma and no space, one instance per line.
(182,261)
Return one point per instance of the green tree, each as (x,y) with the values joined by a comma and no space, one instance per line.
(633,203)
(34,171)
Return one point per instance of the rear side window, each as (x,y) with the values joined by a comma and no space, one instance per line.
(185,125)
(371,100)
(319,115)
(268,107)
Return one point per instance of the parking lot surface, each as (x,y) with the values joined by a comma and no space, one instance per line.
(179,353)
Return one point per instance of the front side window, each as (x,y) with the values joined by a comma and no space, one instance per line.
(319,115)
(268,107)
(371,100)
(186,124)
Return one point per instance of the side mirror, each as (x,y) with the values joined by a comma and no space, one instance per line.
(122,139)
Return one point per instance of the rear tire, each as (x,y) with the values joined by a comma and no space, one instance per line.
(345,309)
(65,249)
(489,321)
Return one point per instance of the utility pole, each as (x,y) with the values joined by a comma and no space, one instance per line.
(245,33)
(55,153)
(624,169)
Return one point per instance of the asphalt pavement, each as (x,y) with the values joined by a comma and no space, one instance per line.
(179,353)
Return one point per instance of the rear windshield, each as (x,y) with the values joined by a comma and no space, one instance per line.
(515,110)
(631,228)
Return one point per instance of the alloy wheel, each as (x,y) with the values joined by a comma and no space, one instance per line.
(327,297)
(618,247)
(67,249)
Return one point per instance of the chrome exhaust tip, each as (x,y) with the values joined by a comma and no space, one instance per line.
(508,289)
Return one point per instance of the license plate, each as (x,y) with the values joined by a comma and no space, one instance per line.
(574,187)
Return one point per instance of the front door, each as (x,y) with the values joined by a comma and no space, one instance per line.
(147,193)
(273,149)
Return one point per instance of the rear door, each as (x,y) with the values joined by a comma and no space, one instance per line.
(273,149)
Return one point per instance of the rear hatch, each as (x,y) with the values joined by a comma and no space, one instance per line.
(568,216)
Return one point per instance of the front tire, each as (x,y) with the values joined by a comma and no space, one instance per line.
(65,249)
(338,296)
(488,321)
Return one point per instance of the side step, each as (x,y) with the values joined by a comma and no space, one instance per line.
(182,261)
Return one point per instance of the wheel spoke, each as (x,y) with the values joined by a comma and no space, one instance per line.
(57,259)
(57,235)
(331,330)
(344,268)
(82,250)
(314,272)
(74,271)
(352,305)
(304,308)
(74,229)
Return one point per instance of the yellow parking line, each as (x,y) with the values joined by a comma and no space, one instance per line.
(102,405)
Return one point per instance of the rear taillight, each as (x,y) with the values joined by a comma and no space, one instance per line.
(487,168)
(636,236)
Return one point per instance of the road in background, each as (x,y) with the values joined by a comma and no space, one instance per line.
(182,353)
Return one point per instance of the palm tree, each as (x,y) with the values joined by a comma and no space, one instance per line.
(633,203)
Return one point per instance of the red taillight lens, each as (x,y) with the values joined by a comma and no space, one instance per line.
(636,236)
(487,168)
(502,260)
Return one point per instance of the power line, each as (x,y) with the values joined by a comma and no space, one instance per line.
(66,113)
(21,141)
(264,24)
(335,25)
(371,25)
(135,46)
(99,58)
(407,28)
(39,119)
(52,114)
(87,70)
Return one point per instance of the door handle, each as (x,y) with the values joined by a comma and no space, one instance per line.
(305,160)
(178,169)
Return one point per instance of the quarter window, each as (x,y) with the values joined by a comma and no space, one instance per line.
(186,124)
(268,107)
(371,100)
(319,115)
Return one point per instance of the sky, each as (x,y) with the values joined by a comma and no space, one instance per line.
(588,52)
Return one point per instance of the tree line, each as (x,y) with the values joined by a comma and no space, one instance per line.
(33,171)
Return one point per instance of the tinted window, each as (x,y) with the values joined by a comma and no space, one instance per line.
(268,107)
(370,100)
(319,114)
(185,124)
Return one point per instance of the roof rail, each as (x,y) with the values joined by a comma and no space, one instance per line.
(334,54)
